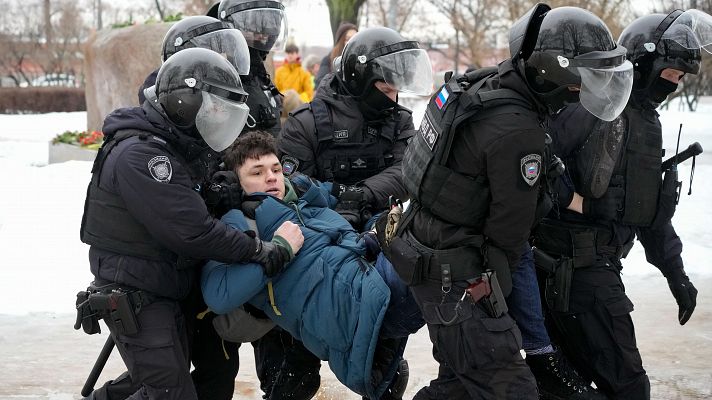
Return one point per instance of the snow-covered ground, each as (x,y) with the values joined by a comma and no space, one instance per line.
(43,264)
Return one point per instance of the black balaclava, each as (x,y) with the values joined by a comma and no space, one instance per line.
(660,89)
(375,105)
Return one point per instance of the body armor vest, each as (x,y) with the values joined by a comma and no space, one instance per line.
(349,156)
(107,223)
(452,196)
(265,105)
(640,167)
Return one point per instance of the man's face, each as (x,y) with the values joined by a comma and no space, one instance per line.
(262,175)
(387,90)
(672,75)
(292,57)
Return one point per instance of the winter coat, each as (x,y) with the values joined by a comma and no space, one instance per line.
(328,297)
(293,76)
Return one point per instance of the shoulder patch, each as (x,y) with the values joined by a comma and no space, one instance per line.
(530,167)
(160,168)
(290,165)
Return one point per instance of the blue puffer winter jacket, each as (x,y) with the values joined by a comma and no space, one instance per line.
(328,297)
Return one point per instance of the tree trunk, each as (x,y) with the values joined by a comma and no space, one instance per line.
(160,10)
(47,22)
(343,11)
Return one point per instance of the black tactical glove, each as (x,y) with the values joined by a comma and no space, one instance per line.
(684,292)
(352,204)
(562,191)
(223,193)
(607,207)
(273,256)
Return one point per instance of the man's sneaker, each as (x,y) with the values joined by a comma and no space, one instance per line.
(399,383)
(295,387)
(558,380)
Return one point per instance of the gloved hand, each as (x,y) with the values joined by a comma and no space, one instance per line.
(352,203)
(372,246)
(562,190)
(272,255)
(223,193)
(684,292)
(607,207)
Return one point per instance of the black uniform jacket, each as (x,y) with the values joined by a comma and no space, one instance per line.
(166,203)
(497,148)
(570,130)
(299,140)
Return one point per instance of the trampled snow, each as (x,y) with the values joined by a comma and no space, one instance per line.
(43,264)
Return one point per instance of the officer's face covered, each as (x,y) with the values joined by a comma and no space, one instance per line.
(601,81)
(220,120)
(406,71)
(262,175)
(228,42)
(263,28)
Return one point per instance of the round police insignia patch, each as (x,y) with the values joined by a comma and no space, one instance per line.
(160,168)
(289,165)
(530,166)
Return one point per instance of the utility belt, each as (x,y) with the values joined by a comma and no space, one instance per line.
(584,245)
(116,304)
(576,247)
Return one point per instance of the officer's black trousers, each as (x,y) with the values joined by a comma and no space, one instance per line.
(479,356)
(597,333)
(156,357)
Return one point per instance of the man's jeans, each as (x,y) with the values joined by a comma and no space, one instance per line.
(525,304)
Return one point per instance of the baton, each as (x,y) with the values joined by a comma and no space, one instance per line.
(98,366)
(692,150)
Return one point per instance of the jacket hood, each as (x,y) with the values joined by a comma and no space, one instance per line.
(135,118)
(510,78)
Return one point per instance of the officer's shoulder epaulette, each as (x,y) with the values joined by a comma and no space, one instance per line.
(303,107)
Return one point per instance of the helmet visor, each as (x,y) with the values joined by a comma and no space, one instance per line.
(230,43)
(263,28)
(407,71)
(220,121)
(605,91)
(691,30)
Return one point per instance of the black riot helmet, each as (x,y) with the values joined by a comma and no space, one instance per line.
(208,33)
(658,41)
(382,54)
(566,55)
(198,88)
(262,22)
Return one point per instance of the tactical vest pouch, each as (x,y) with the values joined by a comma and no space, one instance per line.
(407,261)
(444,190)
(642,176)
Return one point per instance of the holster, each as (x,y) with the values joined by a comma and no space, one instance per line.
(558,279)
(115,304)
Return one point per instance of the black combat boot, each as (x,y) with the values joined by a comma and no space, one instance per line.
(295,386)
(399,383)
(556,379)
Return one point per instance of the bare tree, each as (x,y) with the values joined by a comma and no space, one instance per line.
(343,10)
(392,14)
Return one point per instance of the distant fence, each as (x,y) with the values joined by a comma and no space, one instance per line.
(41,100)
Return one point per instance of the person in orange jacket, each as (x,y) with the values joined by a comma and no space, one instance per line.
(291,75)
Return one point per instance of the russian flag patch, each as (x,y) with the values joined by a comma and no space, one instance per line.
(442,98)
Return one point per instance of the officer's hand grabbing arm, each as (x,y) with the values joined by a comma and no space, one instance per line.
(275,255)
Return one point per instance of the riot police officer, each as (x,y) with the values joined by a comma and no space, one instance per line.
(146,222)
(264,26)
(614,193)
(473,172)
(354,133)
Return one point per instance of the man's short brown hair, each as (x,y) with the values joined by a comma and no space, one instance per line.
(254,144)
(291,48)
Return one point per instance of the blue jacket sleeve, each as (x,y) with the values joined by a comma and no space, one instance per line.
(171,210)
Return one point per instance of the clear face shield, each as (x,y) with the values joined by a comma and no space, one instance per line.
(692,30)
(263,28)
(606,81)
(220,120)
(407,71)
(230,43)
